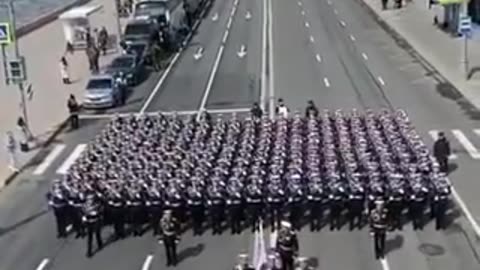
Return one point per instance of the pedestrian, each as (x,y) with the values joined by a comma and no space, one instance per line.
(69,48)
(287,245)
(102,40)
(282,109)
(73,109)
(170,237)
(64,70)
(441,151)
(378,226)
(256,111)
(22,126)
(11,147)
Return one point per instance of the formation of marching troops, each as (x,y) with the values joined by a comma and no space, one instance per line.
(324,166)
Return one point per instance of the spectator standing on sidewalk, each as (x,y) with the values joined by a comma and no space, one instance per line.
(281,109)
(73,109)
(102,40)
(22,126)
(64,70)
(11,147)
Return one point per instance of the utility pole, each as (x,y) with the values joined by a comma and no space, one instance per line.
(118,3)
(13,27)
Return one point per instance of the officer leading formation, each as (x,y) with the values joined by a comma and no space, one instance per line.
(212,171)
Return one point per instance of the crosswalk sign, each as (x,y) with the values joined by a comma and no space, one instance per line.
(5,36)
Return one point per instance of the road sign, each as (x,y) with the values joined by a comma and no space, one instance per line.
(16,70)
(5,36)
(465,24)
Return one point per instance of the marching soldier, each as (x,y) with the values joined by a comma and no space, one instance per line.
(92,219)
(76,202)
(311,110)
(235,208)
(242,263)
(195,204)
(216,204)
(316,202)
(441,151)
(170,236)
(116,207)
(395,209)
(58,203)
(356,205)
(254,205)
(440,204)
(417,207)
(336,208)
(378,226)
(256,111)
(276,201)
(154,206)
(287,245)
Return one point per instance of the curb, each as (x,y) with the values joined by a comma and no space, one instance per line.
(46,18)
(49,139)
(405,44)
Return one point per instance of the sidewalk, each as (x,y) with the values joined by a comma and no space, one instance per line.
(414,24)
(47,110)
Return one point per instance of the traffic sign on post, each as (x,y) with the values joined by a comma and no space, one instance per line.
(465,25)
(5,36)
(16,70)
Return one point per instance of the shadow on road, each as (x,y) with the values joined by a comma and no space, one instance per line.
(394,243)
(25,221)
(190,252)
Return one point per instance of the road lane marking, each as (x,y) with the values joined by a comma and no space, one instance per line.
(300,3)
(466,143)
(210,80)
(147,262)
(215,17)
(434,134)
(229,23)
(49,159)
(352,38)
(242,52)
(382,82)
(263,90)
(364,55)
(233,11)
(384,263)
(335,11)
(225,36)
(343,23)
(199,53)
(329,2)
(318,57)
(312,39)
(42,264)
(77,152)
(236,2)
(271,83)
(211,111)
(307,25)
(464,208)
(327,83)
(303,12)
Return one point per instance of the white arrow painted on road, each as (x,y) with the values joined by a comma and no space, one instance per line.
(215,17)
(198,54)
(242,52)
(248,16)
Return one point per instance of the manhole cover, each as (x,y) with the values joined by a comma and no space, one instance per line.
(431,249)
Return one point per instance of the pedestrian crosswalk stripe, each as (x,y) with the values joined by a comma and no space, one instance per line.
(466,143)
(71,159)
(434,135)
(49,159)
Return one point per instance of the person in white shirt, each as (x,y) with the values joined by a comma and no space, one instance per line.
(11,147)
(281,109)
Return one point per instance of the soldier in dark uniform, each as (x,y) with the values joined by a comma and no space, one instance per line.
(311,110)
(254,199)
(216,204)
(256,111)
(170,236)
(276,202)
(295,204)
(378,226)
(316,202)
(73,109)
(441,151)
(356,205)
(235,208)
(154,208)
(136,210)
(57,201)
(242,263)
(336,207)
(440,204)
(287,245)
(417,207)
(395,208)
(116,209)
(196,207)
(76,201)
(92,218)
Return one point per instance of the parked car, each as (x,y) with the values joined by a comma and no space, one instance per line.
(102,91)
(141,49)
(130,66)
(139,30)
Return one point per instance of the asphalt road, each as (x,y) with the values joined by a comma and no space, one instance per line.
(329,51)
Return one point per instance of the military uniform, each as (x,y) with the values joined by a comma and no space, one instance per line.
(169,227)
(116,209)
(356,204)
(92,219)
(59,206)
(254,201)
(378,226)
(216,206)
(235,209)
(336,208)
(316,202)
(287,246)
(276,202)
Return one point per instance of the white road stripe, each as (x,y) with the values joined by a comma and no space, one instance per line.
(312,39)
(303,12)
(319,58)
(434,135)
(465,211)
(233,11)
(466,143)
(263,90)
(329,2)
(271,67)
(229,23)
(384,263)
(382,82)
(352,37)
(300,3)
(307,24)
(335,11)
(327,83)
(42,264)
(236,2)
(147,262)
(49,159)
(364,55)
(225,36)
(343,23)
(77,152)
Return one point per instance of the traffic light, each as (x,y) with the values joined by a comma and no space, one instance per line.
(16,70)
